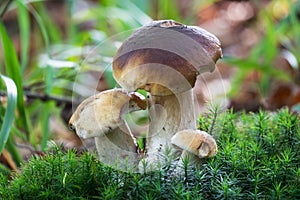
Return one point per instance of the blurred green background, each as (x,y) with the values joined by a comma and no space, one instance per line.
(55,53)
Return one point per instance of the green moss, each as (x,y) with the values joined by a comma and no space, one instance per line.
(258,158)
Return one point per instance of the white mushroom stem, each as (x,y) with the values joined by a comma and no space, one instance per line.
(168,115)
(118,148)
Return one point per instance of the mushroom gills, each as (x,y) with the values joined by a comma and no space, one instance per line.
(118,148)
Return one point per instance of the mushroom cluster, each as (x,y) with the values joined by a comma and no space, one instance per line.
(164,58)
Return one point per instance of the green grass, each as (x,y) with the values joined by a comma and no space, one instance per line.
(14,72)
(10,108)
(258,158)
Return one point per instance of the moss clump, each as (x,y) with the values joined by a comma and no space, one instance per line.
(258,158)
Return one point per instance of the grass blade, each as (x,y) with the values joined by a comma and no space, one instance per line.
(168,10)
(45,117)
(4,4)
(42,27)
(45,22)
(135,11)
(46,108)
(13,71)
(23,19)
(10,110)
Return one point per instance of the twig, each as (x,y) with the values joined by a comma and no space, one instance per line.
(45,97)
(24,146)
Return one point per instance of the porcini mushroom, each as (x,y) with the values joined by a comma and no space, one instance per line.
(102,116)
(165,58)
(195,144)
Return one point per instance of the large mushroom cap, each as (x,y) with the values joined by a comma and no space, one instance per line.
(165,56)
(104,112)
(196,142)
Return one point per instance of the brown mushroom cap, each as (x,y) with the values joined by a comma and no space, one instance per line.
(165,57)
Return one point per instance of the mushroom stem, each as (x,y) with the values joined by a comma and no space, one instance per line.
(194,160)
(168,115)
(118,148)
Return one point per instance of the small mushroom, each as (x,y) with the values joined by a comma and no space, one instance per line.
(165,58)
(195,144)
(102,116)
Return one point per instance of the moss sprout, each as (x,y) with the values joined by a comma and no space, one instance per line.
(258,158)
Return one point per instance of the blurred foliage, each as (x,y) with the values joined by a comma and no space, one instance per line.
(280,35)
(59,52)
